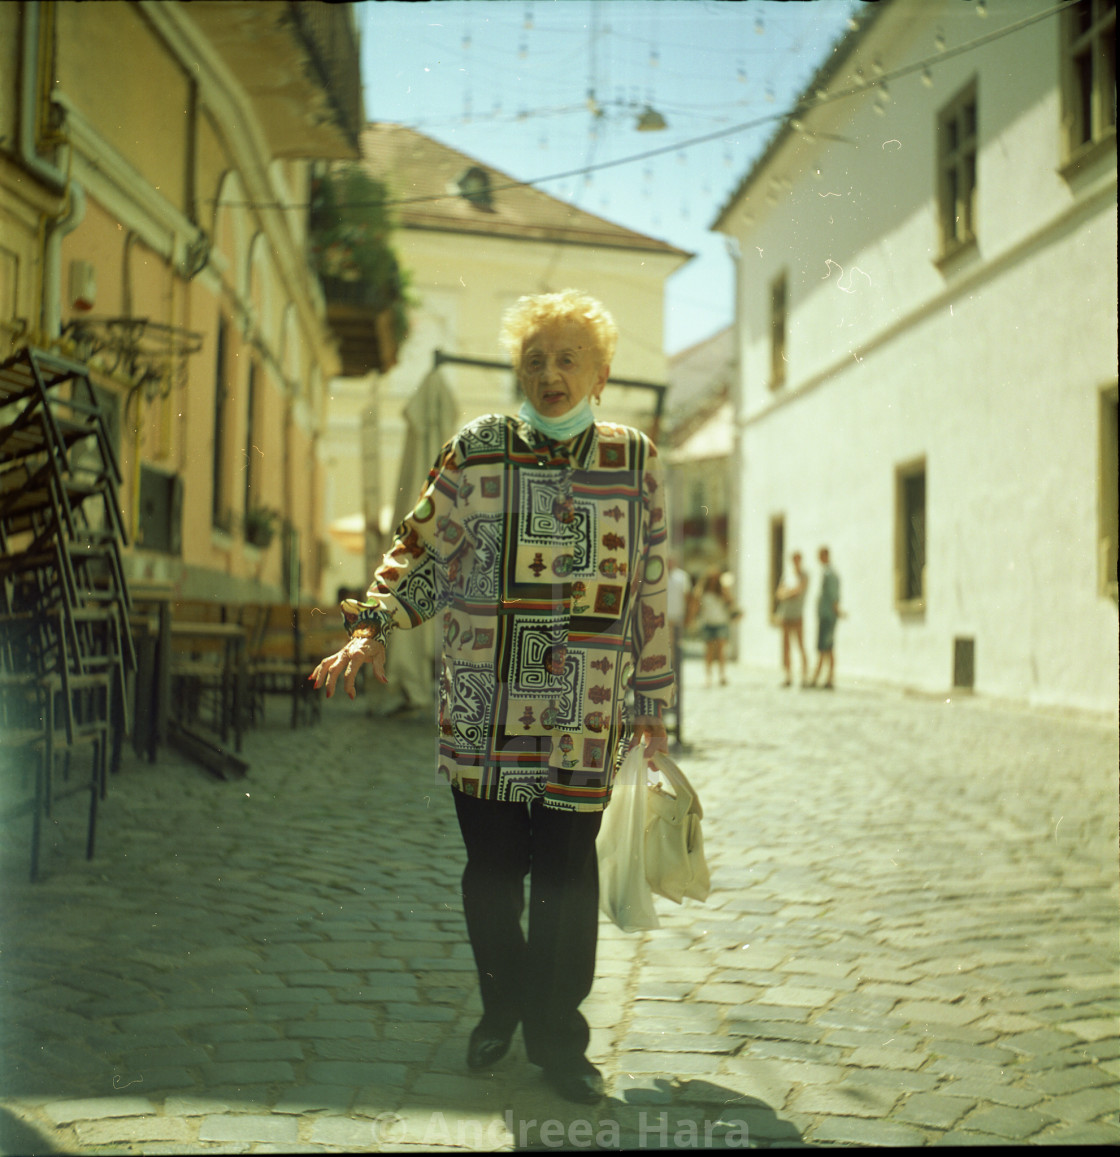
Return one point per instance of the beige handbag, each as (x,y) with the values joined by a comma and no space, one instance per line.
(674,844)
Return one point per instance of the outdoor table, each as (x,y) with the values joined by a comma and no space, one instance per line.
(154,635)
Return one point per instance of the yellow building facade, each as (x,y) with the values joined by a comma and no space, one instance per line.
(156,162)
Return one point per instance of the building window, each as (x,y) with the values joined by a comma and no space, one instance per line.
(778,299)
(777,558)
(221,515)
(252,454)
(474,186)
(1108,515)
(161,511)
(910,536)
(1089,74)
(956,171)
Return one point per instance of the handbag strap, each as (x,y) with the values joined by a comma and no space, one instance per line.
(679,782)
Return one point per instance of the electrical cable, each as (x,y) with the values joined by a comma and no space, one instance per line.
(802,107)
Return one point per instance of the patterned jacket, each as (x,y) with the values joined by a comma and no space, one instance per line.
(548,561)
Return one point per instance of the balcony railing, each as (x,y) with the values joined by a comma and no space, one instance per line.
(331,38)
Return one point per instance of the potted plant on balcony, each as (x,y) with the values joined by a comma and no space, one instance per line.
(349,232)
(260,525)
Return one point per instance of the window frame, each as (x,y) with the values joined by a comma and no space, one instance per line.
(1081,142)
(221,512)
(779,329)
(906,602)
(958,155)
(252,433)
(777,541)
(1108,514)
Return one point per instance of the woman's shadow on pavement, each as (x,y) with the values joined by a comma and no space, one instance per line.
(19,1139)
(663,1114)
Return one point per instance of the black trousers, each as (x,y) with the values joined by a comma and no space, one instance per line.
(539,980)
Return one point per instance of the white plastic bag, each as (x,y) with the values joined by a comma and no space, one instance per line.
(674,843)
(625,897)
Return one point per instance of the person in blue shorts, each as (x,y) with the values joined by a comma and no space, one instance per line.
(828,611)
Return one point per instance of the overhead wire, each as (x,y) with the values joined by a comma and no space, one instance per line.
(801,107)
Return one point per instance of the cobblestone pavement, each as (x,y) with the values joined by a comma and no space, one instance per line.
(912,939)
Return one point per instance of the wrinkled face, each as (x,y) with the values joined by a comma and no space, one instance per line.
(560,366)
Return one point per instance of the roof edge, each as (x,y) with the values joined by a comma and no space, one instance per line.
(551,237)
(841,53)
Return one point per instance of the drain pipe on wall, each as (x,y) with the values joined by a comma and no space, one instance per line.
(34,94)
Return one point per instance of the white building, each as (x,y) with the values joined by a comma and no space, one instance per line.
(927,333)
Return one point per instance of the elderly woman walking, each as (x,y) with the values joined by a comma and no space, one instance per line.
(542,540)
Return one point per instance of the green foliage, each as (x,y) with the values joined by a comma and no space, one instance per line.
(260,525)
(349,230)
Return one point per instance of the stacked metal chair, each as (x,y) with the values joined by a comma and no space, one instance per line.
(65,642)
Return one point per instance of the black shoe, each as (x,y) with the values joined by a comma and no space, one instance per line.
(486,1047)
(582,1083)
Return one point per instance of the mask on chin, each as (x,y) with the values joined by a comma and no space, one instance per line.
(568,425)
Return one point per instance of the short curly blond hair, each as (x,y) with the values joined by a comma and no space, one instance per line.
(527,313)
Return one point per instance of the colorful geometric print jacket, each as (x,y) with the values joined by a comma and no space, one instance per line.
(548,562)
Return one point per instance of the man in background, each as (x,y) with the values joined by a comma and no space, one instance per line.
(828,611)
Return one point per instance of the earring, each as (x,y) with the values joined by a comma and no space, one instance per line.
(598,399)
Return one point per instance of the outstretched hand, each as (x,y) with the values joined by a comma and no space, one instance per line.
(344,665)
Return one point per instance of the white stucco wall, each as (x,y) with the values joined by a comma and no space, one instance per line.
(990,369)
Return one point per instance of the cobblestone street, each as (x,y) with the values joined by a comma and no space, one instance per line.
(912,939)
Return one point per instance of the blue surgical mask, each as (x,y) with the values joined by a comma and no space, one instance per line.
(568,425)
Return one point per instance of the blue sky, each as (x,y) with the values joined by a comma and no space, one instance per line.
(538,88)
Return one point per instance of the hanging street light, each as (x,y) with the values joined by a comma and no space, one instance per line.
(650,121)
